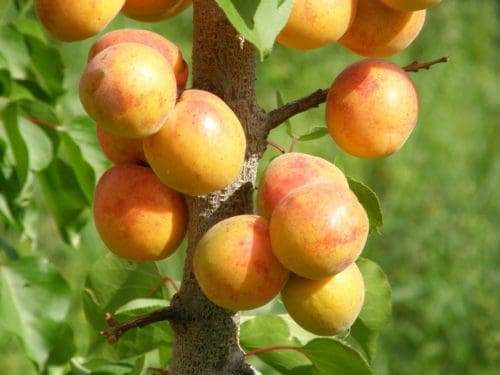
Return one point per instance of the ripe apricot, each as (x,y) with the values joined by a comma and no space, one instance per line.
(316,23)
(164,46)
(120,150)
(327,306)
(380,31)
(235,266)
(290,171)
(71,20)
(201,146)
(128,89)
(371,109)
(318,230)
(137,217)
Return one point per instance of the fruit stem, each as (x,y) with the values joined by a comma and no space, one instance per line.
(283,347)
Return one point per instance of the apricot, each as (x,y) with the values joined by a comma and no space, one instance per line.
(290,171)
(327,306)
(410,5)
(316,23)
(235,266)
(318,230)
(164,46)
(380,31)
(120,150)
(201,146)
(71,20)
(371,109)
(128,89)
(137,217)
(154,10)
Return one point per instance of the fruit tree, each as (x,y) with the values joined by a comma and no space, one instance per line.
(183,144)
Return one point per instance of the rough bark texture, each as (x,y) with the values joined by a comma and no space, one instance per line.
(206,342)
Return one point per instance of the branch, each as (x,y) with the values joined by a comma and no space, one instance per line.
(115,330)
(288,110)
(283,113)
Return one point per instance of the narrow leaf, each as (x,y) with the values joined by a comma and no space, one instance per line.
(315,133)
(370,202)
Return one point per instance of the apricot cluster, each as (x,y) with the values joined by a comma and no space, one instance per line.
(310,230)
(161,138)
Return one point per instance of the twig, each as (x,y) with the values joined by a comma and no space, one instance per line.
(283,347)
(416,66)
(164,281)
(288,110)
(115,330)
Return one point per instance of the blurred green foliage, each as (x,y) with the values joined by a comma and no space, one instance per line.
(440,244)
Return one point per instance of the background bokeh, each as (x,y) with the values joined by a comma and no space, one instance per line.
(440,244)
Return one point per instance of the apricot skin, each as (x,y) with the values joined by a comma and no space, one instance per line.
(201,146)
(164,46)
(128,89)
(371,109)
(410,5)
(72,20)
(379,31)
(120,150)
(137,217)
(235,266)
(327,306)
(316,23)
(291,171)
(154,10)
(318,230)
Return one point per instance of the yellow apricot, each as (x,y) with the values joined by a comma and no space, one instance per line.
(316,23)
(201,146)
(327,306)
(71,20)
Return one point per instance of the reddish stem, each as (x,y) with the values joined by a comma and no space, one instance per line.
(276,146)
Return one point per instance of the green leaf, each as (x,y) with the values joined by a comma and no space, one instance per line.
(14,51)
(258,21)
(46,65)
(141,306)
(370,202)
(17,145)
(34,303)
(39,144)
(65,199)
(112,284)
(332,357)
(270,330)
(377,308)
(38,110)
(315,133)
(31,27)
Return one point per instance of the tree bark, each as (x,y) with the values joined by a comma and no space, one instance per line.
(206,341)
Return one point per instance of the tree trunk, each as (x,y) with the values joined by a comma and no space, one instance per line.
(206,342)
